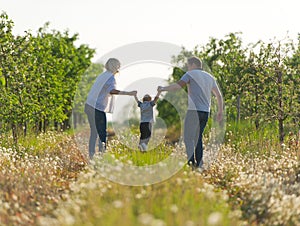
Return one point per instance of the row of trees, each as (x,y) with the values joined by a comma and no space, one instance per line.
(260,81)
(39,75)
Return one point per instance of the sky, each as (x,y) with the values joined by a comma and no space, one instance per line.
(106,25)
(112,24)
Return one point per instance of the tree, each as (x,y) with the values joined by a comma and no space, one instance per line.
(226,59)
(293,64)
(39,76)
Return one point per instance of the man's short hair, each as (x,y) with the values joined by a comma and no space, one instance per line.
(196,61)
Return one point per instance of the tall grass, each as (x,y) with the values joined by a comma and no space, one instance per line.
(245,138)
(261,175)
(35,175)
(185,199)
(255,180)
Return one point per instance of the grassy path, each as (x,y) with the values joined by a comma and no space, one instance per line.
(184,199)
(47,181)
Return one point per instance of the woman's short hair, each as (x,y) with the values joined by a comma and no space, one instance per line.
(196,61)
(113,65)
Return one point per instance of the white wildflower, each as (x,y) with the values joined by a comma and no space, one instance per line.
(145,218)
(118,204)
(214,218)
(174,208)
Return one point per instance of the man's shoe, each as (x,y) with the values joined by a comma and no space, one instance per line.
(144,146)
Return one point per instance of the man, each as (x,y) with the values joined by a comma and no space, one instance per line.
(200,86)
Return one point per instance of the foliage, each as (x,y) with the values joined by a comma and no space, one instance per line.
(39,77)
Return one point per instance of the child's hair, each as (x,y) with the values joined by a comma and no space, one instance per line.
(147,97)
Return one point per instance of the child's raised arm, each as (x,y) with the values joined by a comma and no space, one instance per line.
(156,97)
(136,99)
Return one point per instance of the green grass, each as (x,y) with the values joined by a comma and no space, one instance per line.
(138,158)
(182,200)
(246,138)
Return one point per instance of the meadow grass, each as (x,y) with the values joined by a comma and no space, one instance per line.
(245,138)
(35,175)
(261,175)
(138,158)
(254,180)
(184,199)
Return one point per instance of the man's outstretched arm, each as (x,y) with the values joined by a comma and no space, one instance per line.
(173,87)
(218,94)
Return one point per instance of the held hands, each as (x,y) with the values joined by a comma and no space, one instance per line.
(129,93)
(160,89)
(132,93)
(158,92)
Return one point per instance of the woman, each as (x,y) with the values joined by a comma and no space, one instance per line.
(100,101)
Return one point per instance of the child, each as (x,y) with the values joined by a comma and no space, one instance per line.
(146,119)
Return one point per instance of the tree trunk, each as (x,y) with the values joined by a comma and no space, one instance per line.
(280,130)
(14,133)
(256,112)
(25,129)
(66,123)
(40,126)
(45,125)
(238,108)
(75,117)
(280,108)
(55,125)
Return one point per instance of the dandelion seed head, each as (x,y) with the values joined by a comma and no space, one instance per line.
(145,218)
(118,204)
(174,208)
(189,223)
(138,196)
(214,218)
